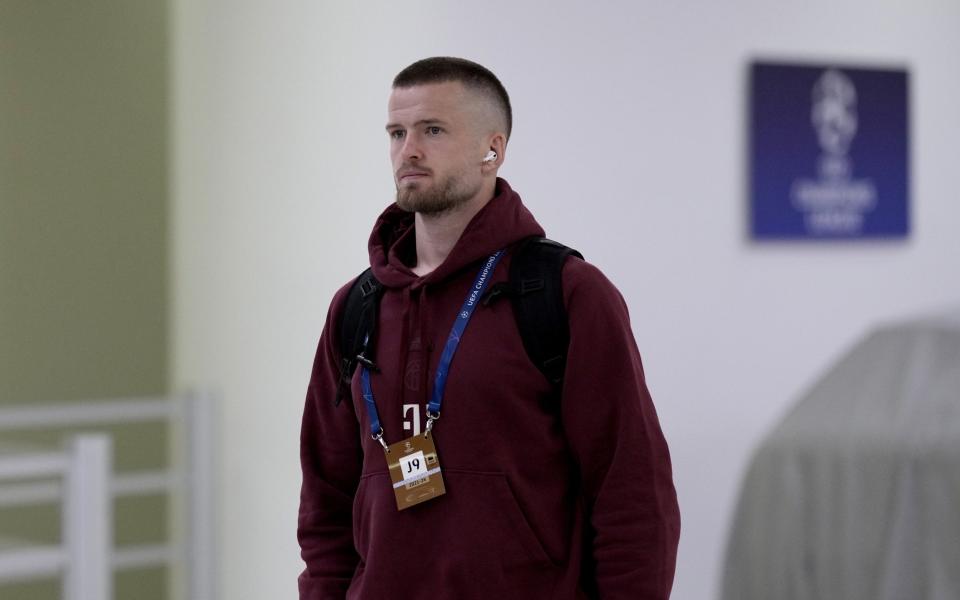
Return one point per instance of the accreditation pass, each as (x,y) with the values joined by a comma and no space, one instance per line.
(415,471)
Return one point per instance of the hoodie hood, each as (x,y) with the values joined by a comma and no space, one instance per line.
(501,222)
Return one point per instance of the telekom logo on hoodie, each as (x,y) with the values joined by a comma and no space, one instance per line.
(414,423)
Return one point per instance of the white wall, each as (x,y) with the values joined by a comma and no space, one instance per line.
(628,145)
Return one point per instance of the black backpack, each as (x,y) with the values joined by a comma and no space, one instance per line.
(534,287)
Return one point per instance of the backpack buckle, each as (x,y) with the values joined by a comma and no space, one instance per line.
(530,285)
(367,287)
(495,292)
(363,360)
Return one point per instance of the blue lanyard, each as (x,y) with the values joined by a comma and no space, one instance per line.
(479,286)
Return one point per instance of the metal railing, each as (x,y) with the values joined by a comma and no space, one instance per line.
(81,478)
(81,558)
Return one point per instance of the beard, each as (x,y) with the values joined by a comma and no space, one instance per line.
(444,196)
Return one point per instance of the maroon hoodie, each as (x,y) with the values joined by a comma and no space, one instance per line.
(548,496)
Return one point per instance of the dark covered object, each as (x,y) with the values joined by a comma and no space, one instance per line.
(856,494)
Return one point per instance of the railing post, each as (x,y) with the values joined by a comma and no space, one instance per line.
(87,520)
(200,482)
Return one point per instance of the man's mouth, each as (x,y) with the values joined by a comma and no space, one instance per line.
(411,175)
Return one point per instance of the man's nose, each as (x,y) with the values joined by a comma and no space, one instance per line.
(411,149)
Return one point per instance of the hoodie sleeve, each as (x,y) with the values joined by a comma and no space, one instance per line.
(331,460)
(616,440)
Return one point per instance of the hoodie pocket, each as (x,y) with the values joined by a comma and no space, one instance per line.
(475,535)
(359,531)
(508,507)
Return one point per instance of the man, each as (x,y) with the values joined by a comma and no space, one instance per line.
(539,492)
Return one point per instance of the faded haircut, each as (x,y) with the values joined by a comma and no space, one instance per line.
(441,69)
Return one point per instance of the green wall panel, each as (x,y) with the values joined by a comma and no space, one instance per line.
(83,238)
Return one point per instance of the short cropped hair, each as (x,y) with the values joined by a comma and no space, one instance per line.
(441,69)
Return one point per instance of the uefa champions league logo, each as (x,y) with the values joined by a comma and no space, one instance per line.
(834,114)
(835,202)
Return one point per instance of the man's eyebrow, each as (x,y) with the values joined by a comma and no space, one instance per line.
(420,122)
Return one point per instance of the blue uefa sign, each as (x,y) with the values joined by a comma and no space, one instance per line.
(828,149)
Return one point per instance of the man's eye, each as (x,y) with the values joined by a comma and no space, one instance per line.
(434,130)
(396,134)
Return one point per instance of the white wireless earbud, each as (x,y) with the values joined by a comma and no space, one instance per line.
(490,156)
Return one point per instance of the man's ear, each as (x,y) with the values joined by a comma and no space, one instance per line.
(496,151)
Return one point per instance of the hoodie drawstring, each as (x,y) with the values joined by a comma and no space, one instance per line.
(426,344)
(404,347)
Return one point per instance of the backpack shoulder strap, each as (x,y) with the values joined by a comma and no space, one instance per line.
(537,296)
(357,329)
